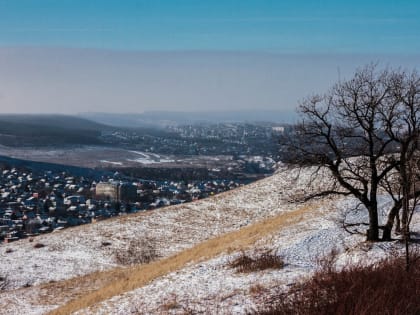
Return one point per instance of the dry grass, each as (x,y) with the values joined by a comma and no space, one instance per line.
(170,304)
(140,250)
(121,280)
(4,282)
(256,262)
(382,288)
(257,289)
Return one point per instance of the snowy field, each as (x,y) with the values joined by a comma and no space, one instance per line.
(100,156)
(207,287)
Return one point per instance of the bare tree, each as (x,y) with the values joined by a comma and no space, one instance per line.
(405,130)
(363,133)
(403,127)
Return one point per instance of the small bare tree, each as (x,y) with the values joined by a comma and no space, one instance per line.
(363,131)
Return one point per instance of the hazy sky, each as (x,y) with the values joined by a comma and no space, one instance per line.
(69,56)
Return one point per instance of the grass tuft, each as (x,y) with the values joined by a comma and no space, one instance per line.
(139,251)
(249,263)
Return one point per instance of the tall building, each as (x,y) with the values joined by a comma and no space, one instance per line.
(117,191)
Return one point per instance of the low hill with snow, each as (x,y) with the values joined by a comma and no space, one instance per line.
(177,258)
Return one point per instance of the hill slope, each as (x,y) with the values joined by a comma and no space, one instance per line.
(194,243)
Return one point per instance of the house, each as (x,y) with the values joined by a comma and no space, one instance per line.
(74,200)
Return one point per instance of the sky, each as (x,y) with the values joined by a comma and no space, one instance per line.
(69,56)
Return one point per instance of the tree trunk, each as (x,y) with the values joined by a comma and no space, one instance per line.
(373,231)
(406,186)
(392,215)
(398,224)
(386,234)
(404,222)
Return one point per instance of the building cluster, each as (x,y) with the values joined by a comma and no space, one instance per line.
(202,139)
(39,203)
(235,132)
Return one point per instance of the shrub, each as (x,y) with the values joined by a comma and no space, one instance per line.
(248,263)
(38,245)
(138,251)
(257,289)
(4,282)
(171,304)
(382,288)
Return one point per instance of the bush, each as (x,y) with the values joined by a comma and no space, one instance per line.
(138,251)
(247,263)
(381,288)
(4,282)
(39,245)
(171,304)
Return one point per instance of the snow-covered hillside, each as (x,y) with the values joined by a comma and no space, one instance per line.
(208,286)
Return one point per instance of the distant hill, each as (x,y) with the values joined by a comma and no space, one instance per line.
(164,118)
(47,120)
(45,130)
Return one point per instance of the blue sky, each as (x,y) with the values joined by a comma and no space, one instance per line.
(69,56)
(242,25)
